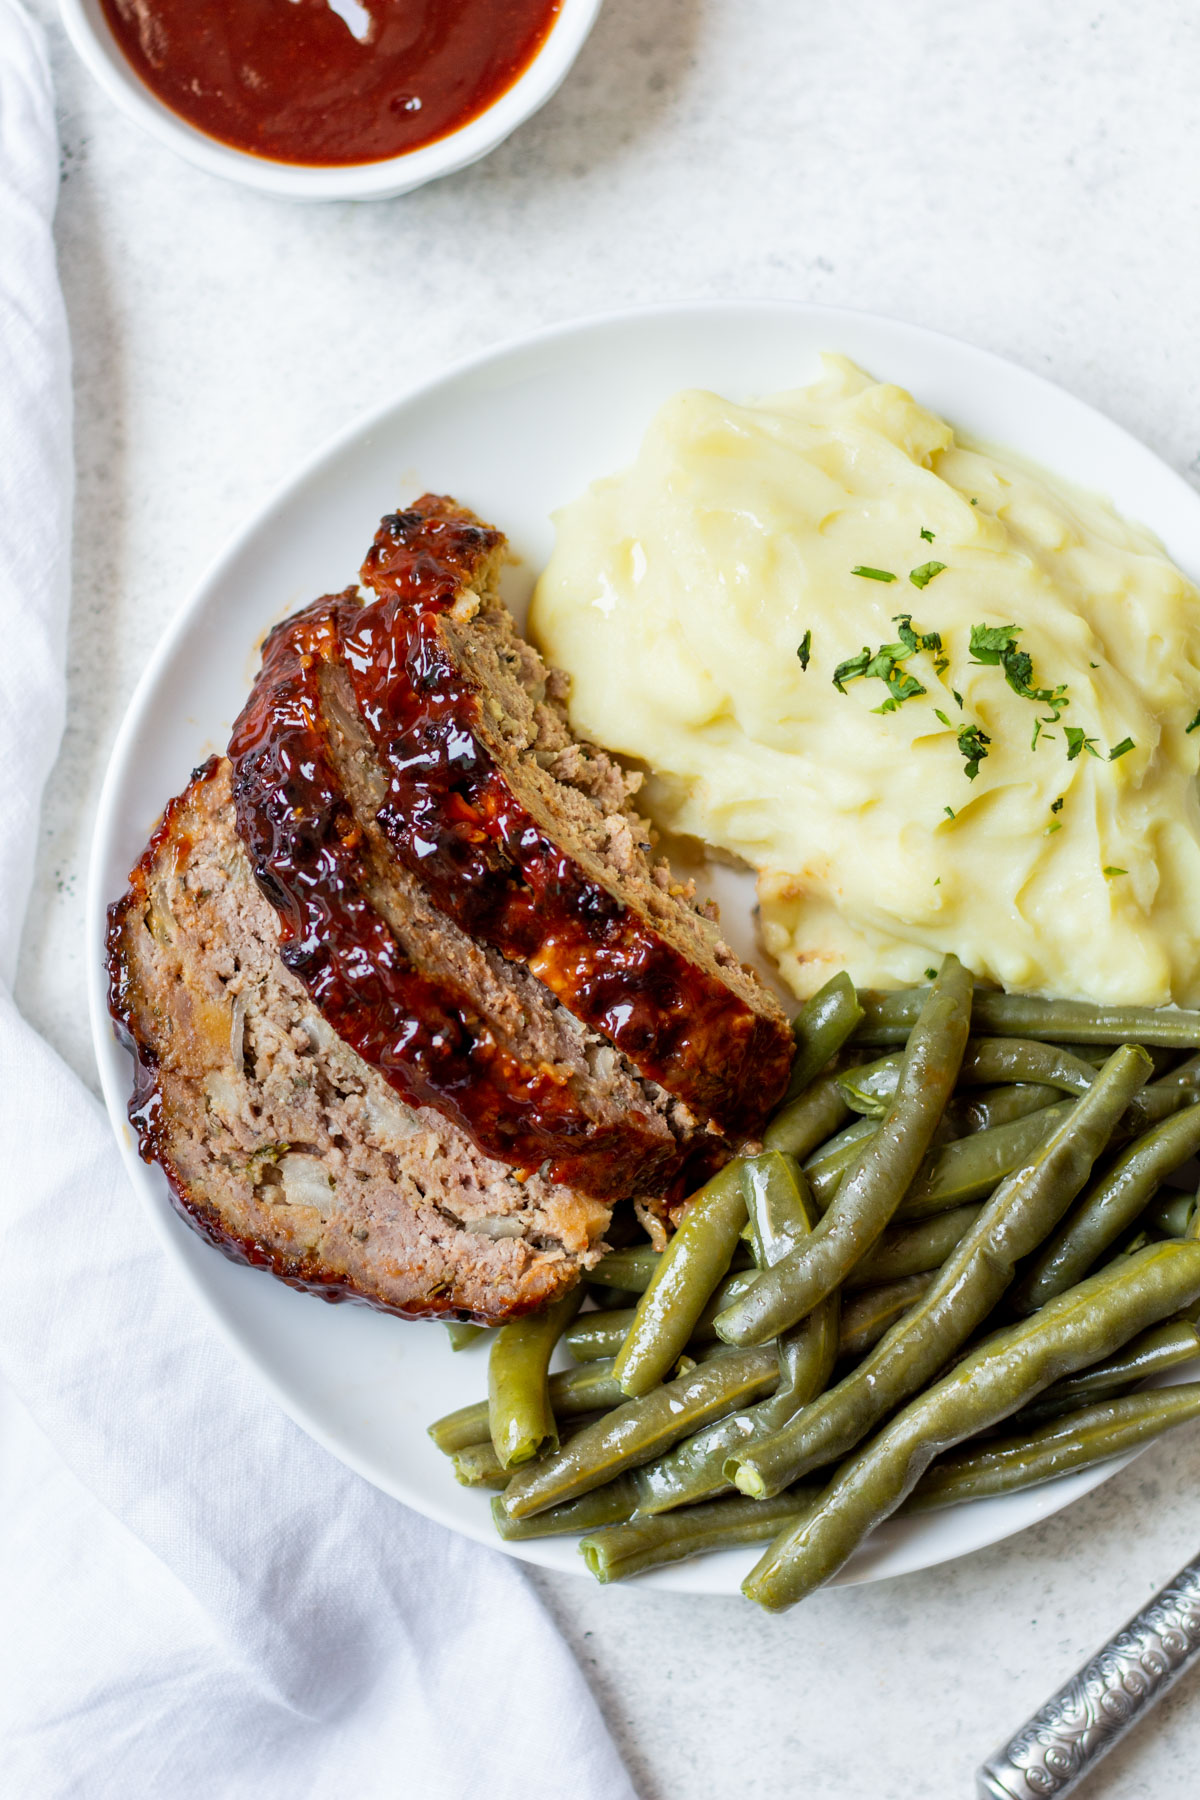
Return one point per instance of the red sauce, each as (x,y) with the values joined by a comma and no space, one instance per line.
(290,79)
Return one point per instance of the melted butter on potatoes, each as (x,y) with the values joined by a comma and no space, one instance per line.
(679,597)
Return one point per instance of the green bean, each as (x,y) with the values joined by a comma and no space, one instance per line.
(1014,1221)
(1078,1441)
(914,1249)
(870,1312)
(825,1168)
(1079,1327)
(616,1501)
(971,1168)
(642,1429)
(1111,1205)
(520,1416)
(573,1393)
(888,1018)
(808,1120)
(631,1269)
(479,1466)
(992,1059)
(689,1269)
(869,1088)
(820,1029)
(781,1214)
(1161,1348)
(463,1336)
(1172,1214)
(968,1113)
(874,1186)
(598,1334)
(649,1543)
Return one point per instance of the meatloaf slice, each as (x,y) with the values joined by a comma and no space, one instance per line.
(449,1023)
(527,839)
(280,1144)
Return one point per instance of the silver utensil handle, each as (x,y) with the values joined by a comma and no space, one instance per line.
(1098,1705)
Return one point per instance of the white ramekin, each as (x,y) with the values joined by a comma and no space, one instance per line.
(88,30)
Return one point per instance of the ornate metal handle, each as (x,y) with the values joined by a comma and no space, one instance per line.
(1099,1704)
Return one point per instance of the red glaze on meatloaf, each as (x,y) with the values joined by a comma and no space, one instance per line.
(397,979)
(518,834)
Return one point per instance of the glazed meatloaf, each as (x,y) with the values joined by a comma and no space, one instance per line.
(447,1021)
(279,1142)
(445,741)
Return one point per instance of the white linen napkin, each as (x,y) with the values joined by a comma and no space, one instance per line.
(195,1600)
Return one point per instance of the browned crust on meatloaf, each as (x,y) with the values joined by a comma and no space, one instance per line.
(449,1023)
(526,837)
(279,1143)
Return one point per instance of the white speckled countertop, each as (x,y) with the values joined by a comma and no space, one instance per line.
(1021,175)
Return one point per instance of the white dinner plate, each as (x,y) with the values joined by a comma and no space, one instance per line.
(514,434)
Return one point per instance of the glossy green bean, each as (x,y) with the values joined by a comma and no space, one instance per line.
(521,1419)
(824,1169)
(820,1029)
(479,1466)
(1171,1214)
(616,1501)
(1014,1221)
(631,1269)
(984,1108)
(573,1394)
(1109,1207)
(781,1213)
(1077,1328)
(873,1188)
(695,1260)
(889,1017)
(971,1168)
(806,1122)
(869,1088)
(914,1248)
(1163,1347)
(993,1059)
(650,1543)
(870,1312)
(643,1428)
(463,1336)
(1079,1440)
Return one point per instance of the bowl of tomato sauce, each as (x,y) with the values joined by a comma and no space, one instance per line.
(330,99)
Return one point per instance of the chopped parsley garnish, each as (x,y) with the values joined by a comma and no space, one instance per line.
(1120,749)
(927,534)
(1057,805)
(996,645)
(873,574)
(931,974)
(972,744)
(958,698)
(1039,730)
(1194,724)
(1111,869)
(1078,742)
(805,650)
(1053,826)
(922,577)
(886,664)
(974,503)
(938,714)
(949,812)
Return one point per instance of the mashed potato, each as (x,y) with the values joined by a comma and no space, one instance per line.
(704,600)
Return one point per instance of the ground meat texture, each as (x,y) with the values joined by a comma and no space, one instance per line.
(280,1144)
(449,1023)
(527,839)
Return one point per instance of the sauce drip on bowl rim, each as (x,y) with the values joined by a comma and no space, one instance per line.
(329,83)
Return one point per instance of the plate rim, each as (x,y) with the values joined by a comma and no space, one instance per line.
(1047,1499)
